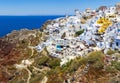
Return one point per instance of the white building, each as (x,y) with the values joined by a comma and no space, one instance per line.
(117,42)
(77,13)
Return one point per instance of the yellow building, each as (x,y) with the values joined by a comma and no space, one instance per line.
(104,24)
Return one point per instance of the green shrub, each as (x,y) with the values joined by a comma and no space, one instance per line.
(79,32)
(98,65)
(110,52)
(66,66)
(43,60)
(96,59)
(36,78)
(93,57)
(73,65)
(54,62)
(117,65)
(110,69)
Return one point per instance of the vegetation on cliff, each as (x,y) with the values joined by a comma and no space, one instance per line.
(93,67)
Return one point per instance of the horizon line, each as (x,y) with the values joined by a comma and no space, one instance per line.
(38,15)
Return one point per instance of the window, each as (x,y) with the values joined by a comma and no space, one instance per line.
(108,11)
(117,43)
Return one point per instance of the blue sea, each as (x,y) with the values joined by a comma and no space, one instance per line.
(10,23)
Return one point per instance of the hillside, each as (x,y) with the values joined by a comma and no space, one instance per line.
(84,48)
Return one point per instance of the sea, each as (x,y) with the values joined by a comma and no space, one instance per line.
(10,23)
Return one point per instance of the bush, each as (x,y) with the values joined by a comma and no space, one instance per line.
(73,65)
(54,62)
(117,65)
(110,52)
(110,69)
(65,67)
(98,65)
(96,59)
(93,57)
(49,61)
(79,32)
(43,60)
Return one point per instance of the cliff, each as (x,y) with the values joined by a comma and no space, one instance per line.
(35,56)
(14,48)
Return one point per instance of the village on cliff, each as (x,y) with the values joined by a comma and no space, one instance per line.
(87,31)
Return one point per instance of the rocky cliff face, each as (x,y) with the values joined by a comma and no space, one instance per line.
(14,47)
(8,56)
(20,62)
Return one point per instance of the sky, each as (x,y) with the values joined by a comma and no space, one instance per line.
(49,7)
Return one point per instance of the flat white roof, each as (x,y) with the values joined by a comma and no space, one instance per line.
(118,37)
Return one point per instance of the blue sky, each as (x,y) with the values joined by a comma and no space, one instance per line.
(49,7)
